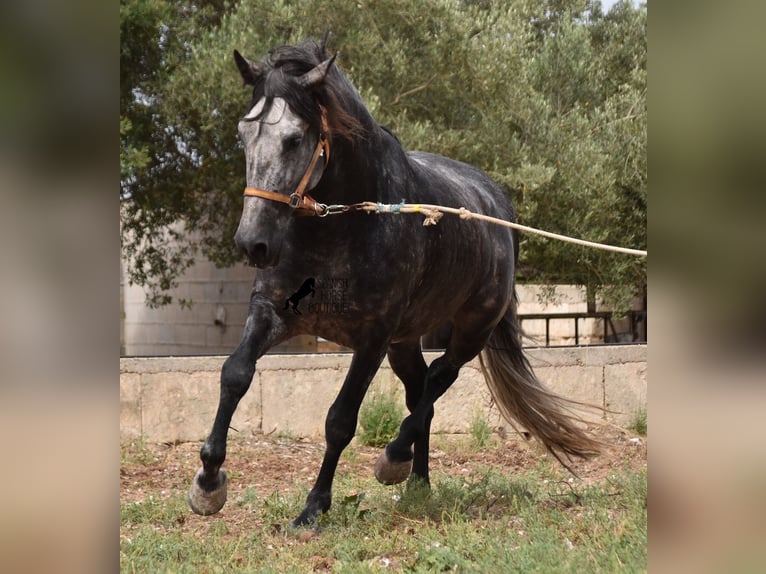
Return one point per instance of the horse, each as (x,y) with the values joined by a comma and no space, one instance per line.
(307,134)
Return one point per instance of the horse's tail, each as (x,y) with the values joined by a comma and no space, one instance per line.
(522,399)
(287,303)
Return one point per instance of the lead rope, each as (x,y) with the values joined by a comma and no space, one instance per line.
(433,213)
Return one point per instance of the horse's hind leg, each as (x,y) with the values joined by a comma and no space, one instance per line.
(394,463)
(392,466)
(263,329)
(406,360)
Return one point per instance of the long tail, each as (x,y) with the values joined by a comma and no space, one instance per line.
(522,399)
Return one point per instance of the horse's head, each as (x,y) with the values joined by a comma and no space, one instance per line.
(286,149)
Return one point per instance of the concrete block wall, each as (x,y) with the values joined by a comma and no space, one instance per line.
(175,398)
(213,324)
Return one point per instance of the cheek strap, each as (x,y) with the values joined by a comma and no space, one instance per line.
(298,200)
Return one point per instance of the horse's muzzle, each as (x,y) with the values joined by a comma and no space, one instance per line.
(259,253)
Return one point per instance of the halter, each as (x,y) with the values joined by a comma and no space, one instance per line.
(302,203)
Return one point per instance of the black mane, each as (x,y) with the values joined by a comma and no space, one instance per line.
(284,65)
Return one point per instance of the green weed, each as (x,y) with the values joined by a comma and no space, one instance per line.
(638,424)
(136,451)
(379,419)
(481,432)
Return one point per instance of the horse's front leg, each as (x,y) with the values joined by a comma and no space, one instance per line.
(340,427)
(263,329)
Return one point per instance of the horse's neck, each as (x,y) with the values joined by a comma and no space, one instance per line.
(373,169)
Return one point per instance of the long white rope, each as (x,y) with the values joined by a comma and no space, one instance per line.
(434,212)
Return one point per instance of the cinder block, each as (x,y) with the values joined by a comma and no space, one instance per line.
(455,410)
(612,355)
(248,417)
(130,405)
(584,384)
(188,334)
(296,401)
(200,313)
(136,334)
(625,389)
(212,291)
(568,299)
(178,406)
(236,291)
(554,357)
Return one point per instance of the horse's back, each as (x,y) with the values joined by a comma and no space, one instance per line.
(452,183)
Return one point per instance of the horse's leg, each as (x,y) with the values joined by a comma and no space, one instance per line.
(340,427)
(393,465)
(263,329)
(406,360)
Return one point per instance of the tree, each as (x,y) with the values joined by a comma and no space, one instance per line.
(547,96)
(155,39)
(588,71)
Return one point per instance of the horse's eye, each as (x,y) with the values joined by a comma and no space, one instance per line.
(293,142)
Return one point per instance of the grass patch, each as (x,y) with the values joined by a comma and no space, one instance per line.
(538,520)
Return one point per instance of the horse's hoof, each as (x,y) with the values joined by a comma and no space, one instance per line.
(206,502)
(388,472)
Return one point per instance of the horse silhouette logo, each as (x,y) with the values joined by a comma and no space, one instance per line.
(295,299)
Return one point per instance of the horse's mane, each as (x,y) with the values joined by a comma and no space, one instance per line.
(285,64)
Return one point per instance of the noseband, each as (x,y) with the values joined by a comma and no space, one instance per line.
(302,203)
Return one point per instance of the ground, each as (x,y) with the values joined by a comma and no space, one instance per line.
(267,464)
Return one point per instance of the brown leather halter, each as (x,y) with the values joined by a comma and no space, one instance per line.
(299,200)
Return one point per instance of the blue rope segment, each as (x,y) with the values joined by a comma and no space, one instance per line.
(388,207)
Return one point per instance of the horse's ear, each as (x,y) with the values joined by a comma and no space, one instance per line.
(250,71)
(316,76)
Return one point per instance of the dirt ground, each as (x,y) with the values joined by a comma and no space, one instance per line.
(272,464)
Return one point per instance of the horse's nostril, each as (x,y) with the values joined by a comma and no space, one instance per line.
(259,253)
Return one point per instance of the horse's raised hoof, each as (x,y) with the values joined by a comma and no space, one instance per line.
(207,502)
(388,472)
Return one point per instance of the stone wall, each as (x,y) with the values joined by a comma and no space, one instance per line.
(175,398)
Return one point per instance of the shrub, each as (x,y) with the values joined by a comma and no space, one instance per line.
(379,419)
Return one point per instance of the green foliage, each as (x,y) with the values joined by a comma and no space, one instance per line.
(481,432)
(349,509)
(379,419)
(639,422)
(548,97)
